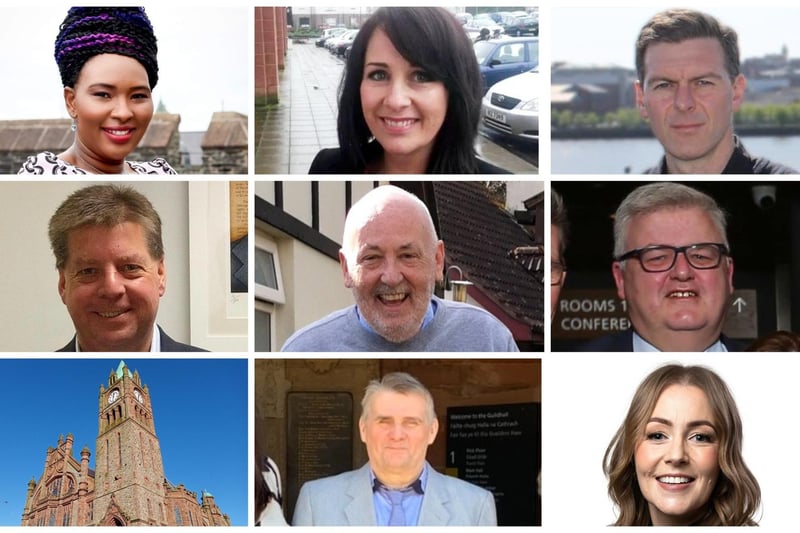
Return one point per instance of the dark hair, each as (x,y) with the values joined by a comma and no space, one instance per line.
(90,31)
(104,205)
(678,25)
(430,38)
(777,341)
(735,497)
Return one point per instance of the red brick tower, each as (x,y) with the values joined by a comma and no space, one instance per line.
(129,474)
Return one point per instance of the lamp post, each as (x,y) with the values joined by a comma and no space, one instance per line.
(455,290)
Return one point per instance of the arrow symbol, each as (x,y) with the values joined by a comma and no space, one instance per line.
(739,303)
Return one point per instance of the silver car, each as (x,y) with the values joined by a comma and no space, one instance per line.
(511,106)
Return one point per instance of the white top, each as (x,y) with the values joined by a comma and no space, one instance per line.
(49,163)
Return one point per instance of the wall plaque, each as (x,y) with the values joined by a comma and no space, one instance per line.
(498,447)
(320,438)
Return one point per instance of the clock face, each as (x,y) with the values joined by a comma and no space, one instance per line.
(114,396)
(138,396)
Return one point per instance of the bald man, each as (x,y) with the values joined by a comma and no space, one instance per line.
(391,259)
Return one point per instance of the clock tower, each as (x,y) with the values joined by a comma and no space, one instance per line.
(127,486)
(129,474)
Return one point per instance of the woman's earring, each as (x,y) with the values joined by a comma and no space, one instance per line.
(74,126)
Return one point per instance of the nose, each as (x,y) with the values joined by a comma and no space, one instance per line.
(398,96)
(684,99)
(682,269)
(391,274)
(676,453)
(396,432)
(111,284)
(122,110)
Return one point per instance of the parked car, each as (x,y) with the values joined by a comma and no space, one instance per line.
(482,21)
(511,106)
(327,34)
(499,59)
(520,26)
(345,42)
(337,45)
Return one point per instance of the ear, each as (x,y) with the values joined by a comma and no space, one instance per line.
(639,92)
(434,431)
(69,101)
(730,275)
(439,257)
(348,279)
(362,430)
(739,87)
(619,278)
(161,272)
(62,285)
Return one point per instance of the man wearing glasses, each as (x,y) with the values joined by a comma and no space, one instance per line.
(672,266)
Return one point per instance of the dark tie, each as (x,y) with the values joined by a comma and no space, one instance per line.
(396,517)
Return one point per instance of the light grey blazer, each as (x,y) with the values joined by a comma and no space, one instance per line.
(346,500)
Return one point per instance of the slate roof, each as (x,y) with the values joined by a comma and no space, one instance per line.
(480,237)
(227,129)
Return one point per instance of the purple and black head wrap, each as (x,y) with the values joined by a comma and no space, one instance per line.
(89,31)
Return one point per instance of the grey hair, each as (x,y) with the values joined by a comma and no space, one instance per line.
(401,383)
(659,196)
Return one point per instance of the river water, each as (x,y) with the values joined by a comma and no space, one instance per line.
(618,156)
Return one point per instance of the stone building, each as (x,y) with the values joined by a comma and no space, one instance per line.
(127,486)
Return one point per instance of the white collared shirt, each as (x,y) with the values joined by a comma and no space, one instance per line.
(641,345)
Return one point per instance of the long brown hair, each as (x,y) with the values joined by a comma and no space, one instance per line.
(736,496)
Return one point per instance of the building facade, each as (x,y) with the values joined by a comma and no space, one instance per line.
(127,486)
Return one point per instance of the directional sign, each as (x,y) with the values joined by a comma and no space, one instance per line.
(742,319)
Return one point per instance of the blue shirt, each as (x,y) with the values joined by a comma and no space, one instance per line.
(412,501)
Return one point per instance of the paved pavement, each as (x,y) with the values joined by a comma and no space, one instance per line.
(289,134)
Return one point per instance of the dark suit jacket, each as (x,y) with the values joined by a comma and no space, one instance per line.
(622,341)
(167,345)
(330,161)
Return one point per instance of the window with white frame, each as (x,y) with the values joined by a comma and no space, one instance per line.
(269,290)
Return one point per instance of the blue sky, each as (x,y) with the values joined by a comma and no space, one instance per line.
(199,407)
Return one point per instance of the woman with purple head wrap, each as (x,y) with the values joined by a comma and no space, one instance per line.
(107,57)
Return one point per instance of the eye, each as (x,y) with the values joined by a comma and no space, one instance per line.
(661,85)
(101,94)
(656,436)
(702,437)
(141,96)
(87,271)
(377,75)
(421,76)
(131,268)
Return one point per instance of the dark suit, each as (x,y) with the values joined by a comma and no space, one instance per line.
(167,345)
(330,161)
(622,341)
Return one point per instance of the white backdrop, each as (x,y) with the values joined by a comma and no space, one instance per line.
(585,398)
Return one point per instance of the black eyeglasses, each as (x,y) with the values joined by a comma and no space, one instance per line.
(660,258)
(557,271)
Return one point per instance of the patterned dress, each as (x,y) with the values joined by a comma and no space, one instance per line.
(49,163)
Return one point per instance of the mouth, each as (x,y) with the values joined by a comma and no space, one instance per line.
(392,298)
(119,135)
(674,480)
(110,314)
(682,295)
(398,124)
